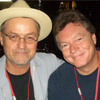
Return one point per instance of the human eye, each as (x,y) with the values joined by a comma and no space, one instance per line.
(79,39)
(14,37)
(63,46)
(29,38)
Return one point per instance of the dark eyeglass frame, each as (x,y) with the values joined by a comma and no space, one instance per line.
(25,39)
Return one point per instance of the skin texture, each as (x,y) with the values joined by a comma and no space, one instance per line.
(78,48)
(19,53)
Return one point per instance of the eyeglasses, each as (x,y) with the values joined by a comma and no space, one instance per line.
(27,38)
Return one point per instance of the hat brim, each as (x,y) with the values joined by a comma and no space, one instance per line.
(39,16)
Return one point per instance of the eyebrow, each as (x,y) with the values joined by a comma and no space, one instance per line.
(79,34)
(63,42)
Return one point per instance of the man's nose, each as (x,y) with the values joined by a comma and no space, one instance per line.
(73,48)
(21,43)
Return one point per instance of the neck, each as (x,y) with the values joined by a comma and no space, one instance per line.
(16,69)
(90,67)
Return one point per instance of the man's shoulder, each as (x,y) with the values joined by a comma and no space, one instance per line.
(47,60)
(43,54)
(62,74)
(65,68)
(47,57)
(2,59)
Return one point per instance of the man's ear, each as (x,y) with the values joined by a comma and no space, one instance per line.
(94,38)
(1,39)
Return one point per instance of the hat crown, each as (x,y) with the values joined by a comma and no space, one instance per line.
(20,4)
(20,8)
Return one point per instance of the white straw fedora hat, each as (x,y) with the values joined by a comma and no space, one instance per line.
(21,9)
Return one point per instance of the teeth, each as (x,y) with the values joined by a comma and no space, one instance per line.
(21,52)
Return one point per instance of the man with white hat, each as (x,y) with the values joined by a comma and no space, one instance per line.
(23,72)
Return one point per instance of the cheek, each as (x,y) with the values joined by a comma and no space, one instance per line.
(65,53)
(9,45)
(88,46)
(88,43)
(32,48)
(8,48)
(84,45)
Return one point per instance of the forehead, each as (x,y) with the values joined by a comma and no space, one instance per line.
(21,24)
(72,29)
(71,32)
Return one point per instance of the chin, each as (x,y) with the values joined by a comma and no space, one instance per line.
(79,65)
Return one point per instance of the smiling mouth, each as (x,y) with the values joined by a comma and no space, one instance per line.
(21,53)
(79,56)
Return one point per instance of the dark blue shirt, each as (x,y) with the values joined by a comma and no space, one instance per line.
(62,84)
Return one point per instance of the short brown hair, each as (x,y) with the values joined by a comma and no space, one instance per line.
(71,16)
